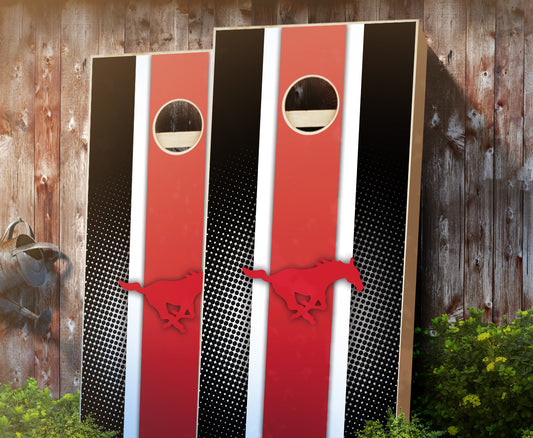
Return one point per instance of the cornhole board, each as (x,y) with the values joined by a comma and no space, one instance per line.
(145,224)
(299,180)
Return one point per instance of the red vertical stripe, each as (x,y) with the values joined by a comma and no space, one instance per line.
(303,231)
(174,230)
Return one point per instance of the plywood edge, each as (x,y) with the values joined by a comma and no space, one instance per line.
(411,232)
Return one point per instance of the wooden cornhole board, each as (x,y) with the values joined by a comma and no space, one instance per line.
(316,146)
(144,224)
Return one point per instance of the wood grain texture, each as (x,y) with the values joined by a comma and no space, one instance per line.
(137,27)
(169,23)
(201,23)
(401,9)
(509,76)
(111,36)
(526,173)
(232,13)
(479,156)
(362,10)
(269,12)
(324,11)
(264,13)
(443,171)
(78,18)
(291,12)
(47,124)
(17,71)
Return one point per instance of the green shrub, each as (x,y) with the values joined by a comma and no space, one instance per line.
(28,412)
(475,379)
(397,427)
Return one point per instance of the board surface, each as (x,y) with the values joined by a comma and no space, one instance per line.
(146,209)
(277,372)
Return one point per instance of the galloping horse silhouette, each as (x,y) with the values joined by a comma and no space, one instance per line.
(311,282)
(180,293)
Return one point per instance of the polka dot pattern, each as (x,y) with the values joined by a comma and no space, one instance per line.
(105,307)
(227,297)
(376,313)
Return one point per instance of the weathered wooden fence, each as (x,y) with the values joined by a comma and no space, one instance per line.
(477,206)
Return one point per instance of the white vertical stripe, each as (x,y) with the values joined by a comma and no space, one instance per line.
(345,227)
(263,231)
(137,236)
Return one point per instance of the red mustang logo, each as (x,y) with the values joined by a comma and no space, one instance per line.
(309,282)
(179,293)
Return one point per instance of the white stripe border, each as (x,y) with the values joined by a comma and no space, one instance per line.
(340,330)
(141,131)
(263,231)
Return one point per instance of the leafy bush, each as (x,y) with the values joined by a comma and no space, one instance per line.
(475,379)
(28,412)
(397,427)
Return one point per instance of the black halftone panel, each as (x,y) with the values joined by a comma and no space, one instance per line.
(227,294)
(108,241)
(375,314)
(106,304)
(379,229)
(227,304)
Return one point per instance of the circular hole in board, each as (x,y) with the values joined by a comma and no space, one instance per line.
(310,105)
(178,126)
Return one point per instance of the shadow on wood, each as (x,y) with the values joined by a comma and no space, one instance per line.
(441,252)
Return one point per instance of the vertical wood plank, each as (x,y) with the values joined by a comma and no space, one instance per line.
(508,158)
(442,255)
(291,12)
(278,12)
(111,38)
(17,70)
(169,23)
(47,123)
(479,155)
(78,18)
(137,27)
(263,13)
(201,22)
(527,171)
(362,10)
(401,9)
(233,13)
(324,11)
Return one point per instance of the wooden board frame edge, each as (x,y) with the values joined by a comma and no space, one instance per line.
(403,400)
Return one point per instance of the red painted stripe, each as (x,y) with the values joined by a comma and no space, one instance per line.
(174,230)
(303,231)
